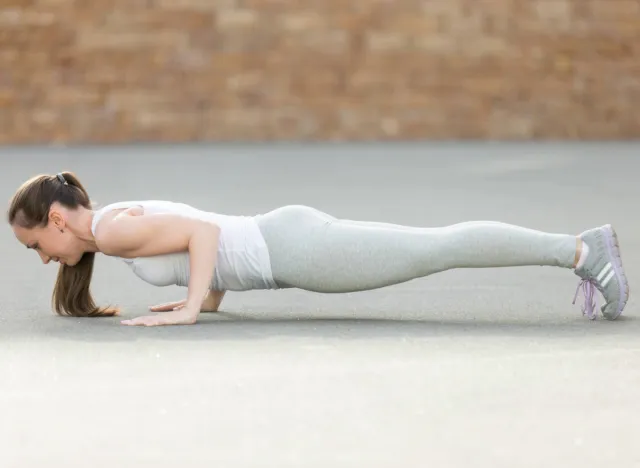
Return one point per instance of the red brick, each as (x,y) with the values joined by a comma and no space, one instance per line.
(615,10)
(240,18)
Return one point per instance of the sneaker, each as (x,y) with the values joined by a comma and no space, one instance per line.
(603,271)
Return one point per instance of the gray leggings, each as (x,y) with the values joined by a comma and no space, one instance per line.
(314,251)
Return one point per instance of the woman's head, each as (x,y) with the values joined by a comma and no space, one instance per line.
(42,213)
(38,214)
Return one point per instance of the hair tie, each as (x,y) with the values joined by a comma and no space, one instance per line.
(62,179)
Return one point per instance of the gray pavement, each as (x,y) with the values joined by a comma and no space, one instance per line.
(468,368)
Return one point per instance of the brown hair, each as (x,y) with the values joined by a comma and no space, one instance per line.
(29,208)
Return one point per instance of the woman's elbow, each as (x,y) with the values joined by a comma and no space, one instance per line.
(209,229)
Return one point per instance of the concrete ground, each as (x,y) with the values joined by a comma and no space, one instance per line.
(469,368)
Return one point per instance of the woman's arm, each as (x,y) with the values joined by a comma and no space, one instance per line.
(211,303)
(213,300)
(140,236)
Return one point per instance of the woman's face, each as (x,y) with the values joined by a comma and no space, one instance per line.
(52,243)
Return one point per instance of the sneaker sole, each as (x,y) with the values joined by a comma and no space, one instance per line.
(613,248)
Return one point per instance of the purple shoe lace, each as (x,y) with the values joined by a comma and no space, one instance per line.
(589,289)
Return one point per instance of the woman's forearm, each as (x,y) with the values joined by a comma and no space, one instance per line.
(213,301)
(203,253)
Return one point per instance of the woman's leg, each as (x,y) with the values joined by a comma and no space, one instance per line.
(315,251)
(312,250)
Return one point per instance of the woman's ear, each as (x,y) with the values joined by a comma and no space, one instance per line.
(56,217)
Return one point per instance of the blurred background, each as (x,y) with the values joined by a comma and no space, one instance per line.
(122,71)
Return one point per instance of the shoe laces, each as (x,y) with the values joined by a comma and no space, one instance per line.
(588,287)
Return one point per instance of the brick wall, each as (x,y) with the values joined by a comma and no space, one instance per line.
(178,70)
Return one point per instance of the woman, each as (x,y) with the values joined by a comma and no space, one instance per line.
(168,243)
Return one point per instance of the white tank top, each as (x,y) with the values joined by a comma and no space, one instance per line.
(242,264)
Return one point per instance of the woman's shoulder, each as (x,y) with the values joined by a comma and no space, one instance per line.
(115,207)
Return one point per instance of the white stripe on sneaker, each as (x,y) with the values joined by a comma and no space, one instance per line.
(604,271)
(608,278)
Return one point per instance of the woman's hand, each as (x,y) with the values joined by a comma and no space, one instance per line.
(182,316)
(177,313)
(210,303)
